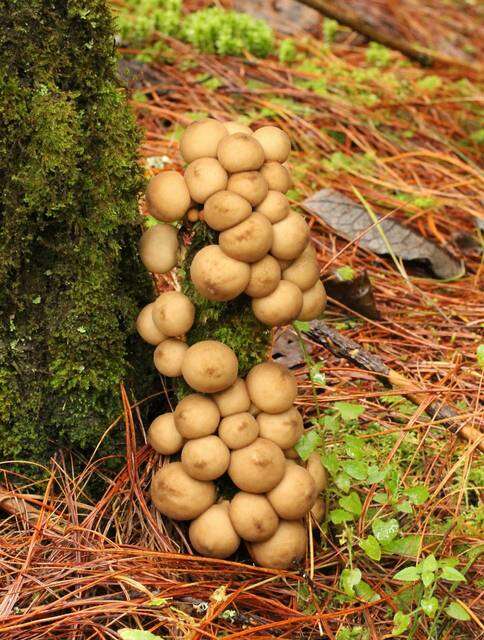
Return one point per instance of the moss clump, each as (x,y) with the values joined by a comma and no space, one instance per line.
(70,280)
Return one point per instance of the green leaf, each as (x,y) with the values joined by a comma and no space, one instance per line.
(409,574)
(380,498)
(331,422)
(429,563)
(354,447)
(330,462)
(351,503)
(385,530)
(428,578)
(316,376)
(356,469)
(401,622)
(308,443)
(301,325)
(349,579)
(365,592)
(348,411)
(408,546)
(371,547)
(457,611)
(429,606)
(404,507)
(376,475)
(137,634)
(37,300)
(417,494)
(345,273)
(338,516)
(452,575)
(343,482)
(480,355)
(158,602)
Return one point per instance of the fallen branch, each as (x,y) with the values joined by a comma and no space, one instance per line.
(344,347)
(351,19)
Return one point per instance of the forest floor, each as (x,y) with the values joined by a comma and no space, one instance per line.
(402,142)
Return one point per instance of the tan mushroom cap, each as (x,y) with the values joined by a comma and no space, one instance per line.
(265,275)
(205,458)
(196,416)
(252,516)
(257,468)
(158,248)
(237,127)
(210,366)
(295,494)
(272,387)
(284,428)
(249,241)
(275,142)
(204,177)
(225,209)
(200,139)
(251,185)
(238,430)
(304,270)
(314,302)
(168,357)
(212,533)
(274,207)
(277,176)
(147,328)
(217,276)
(240,152)
(234,399)
(167,196)
(291,236)
(283,549)
(163,435)
(280,307)
(173,313)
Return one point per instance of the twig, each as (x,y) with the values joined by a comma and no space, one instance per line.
(344,347)
(351,19)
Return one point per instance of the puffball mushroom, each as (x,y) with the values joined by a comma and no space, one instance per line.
(235,399)
(168,357)
(317,512)
(291,236)
(200,139)
(272,387)
(173,313)
(274,207)
(265,275)
(210,366)
(314,302)
(280,307)
(275,142)
(295,494)
(304,270)
(238,430)
(240,152)
(317,472)
(225,209)
(147,328)
(163,435)
(277,176)
(216,276)
(167,196)
(253,517)
(178,496)
(257,468)
(212,533)
(237,127)
(205,177)
(196,416)
(205,458)
(158,248)
(284,428)
(284,548)
(251,185)
(248,241)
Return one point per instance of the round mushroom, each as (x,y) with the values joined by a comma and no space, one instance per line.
(212,533)
(304,270)
(216,276)
(277,176)
(275,206)
(235,399)
(168,357)
(295,494)
(257,468)
(167,196)
(272,387)
(158,248)
(205,177)
(205,458)
(196,416)
(173,313)
(163,435)
(210,366)
(249,241)
(318,473)
(237,127)
(280,307)
(284,428)
(265,275)
(238,430)
(314,302)
(240,152)
(253,517)
(317,512)
(200,139)
(147,328)
(283,549)
(275,142)
(225,209)
(178,496)
(291,236)
(251,185)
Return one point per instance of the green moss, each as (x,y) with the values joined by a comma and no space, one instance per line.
(70,280)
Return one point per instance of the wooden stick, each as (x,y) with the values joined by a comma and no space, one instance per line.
(346,348)
(351,19)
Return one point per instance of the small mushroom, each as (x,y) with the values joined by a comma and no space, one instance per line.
(240,152)
(251,185)
(196,416)
(275,206)
(257,468)
(205,458)
(275,142)
(249,241)
(178,496)
(238,430)
(163,435)
(173,313)
(212,533)
(158,248)
(291,236)
(216,276)
(204,177)
(210,366)
(304,270)
(253,517)
(234,399)
(314,302)
(167,196)
(168,357)
(225,209)
(265,275)
(284,428)
(147,328)
(280,307)
(200,139)
(283,549)
(295,494)
(277,176)
(272,387)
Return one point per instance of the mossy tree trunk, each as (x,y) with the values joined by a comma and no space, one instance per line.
(70,281)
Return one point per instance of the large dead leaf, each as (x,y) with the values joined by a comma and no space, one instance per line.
(354,291)
(349,220)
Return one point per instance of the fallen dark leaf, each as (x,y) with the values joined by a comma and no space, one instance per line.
(287,350)
(355,292)
(286,16)
(350,219)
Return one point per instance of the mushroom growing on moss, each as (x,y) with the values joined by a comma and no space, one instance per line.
(173,313)
(217,276)
(201,139)
(210,366)
(179,496)
(158,248)
(167,196)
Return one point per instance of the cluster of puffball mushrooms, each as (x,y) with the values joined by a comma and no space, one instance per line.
(234,182)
